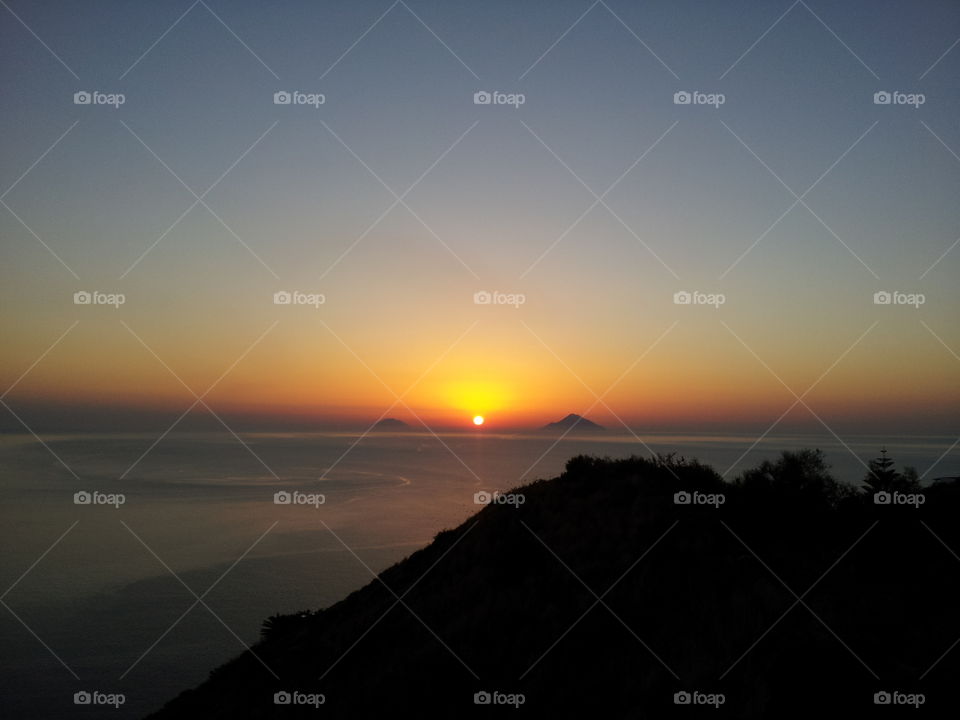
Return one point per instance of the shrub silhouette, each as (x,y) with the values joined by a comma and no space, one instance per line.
(691,597)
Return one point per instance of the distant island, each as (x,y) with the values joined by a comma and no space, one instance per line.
(573,421)
(390,424)
(622,588)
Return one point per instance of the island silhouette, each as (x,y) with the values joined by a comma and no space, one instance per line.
(390,424)
(631,588)
(573,422)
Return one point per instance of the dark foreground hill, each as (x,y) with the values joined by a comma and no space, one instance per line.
(605,594)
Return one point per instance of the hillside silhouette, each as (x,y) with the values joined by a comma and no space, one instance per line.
(620,583)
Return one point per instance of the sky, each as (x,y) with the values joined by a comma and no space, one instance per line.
(782,203)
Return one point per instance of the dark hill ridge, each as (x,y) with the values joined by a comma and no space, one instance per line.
(390,424)
(573,421)
(505,597)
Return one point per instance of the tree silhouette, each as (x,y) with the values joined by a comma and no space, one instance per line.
(883,476)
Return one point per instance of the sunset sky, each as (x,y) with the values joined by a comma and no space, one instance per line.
(499,194)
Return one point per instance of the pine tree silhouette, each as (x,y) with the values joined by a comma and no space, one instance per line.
(883,476)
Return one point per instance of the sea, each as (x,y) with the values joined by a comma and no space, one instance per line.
(131,567)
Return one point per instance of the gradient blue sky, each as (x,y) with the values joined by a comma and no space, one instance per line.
(399,99)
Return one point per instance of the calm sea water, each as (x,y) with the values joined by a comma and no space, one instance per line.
(108,608)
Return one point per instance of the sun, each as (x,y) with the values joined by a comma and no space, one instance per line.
(478,419)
